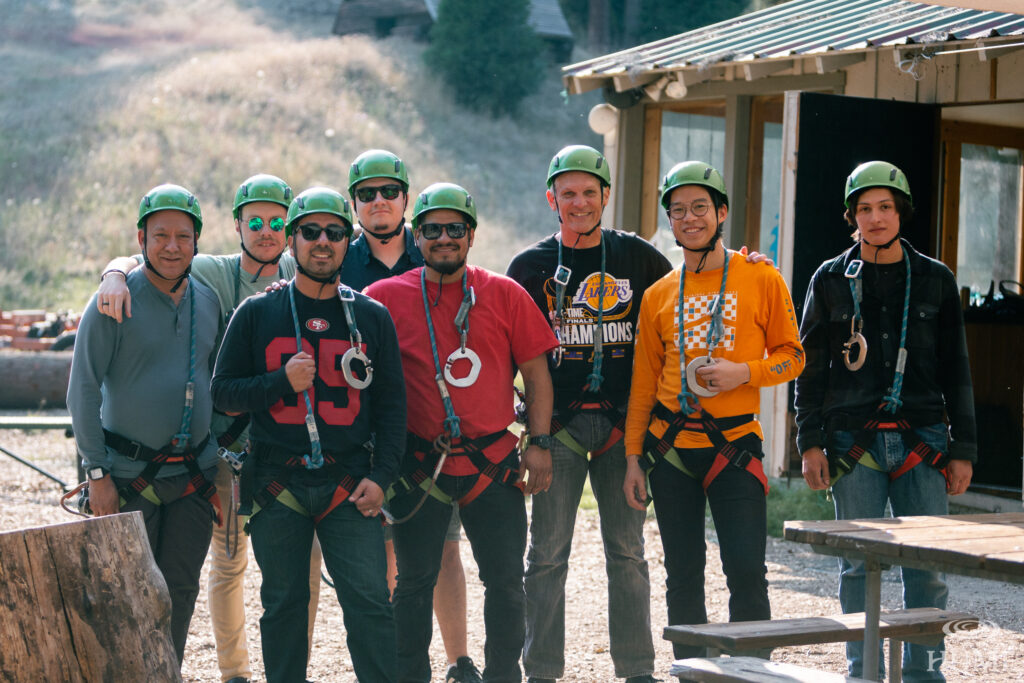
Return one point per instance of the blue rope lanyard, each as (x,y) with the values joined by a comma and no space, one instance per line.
(451,421)
(181,439)
(716,330)
(891,402)
(315,459)
(562,274)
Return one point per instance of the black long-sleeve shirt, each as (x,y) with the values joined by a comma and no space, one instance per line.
(937,377)
(250,377)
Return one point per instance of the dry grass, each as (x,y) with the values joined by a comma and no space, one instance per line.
(99,101)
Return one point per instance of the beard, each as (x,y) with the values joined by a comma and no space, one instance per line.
(446,267)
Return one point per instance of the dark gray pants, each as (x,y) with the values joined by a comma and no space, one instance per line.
(179,536)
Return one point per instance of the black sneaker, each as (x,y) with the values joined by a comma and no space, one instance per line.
(646,678)
(464,671)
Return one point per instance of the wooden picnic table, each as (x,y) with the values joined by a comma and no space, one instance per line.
(989,546)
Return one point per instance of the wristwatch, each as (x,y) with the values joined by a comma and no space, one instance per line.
(541,441)
(94,473)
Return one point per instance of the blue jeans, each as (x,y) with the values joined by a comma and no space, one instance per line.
(551,531)
(495,524)
(863,493)
(353,551)
(739,512)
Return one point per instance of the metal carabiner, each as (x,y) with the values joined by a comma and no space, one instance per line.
(355,353)
(856,339)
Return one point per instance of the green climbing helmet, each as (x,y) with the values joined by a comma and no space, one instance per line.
(692,173)
(376,163)
(876,174)
(317,200)
(580,158)
(262,188)
(444,196)
(174,197)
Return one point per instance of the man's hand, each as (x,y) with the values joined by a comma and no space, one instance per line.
(756,257)
(276,286)
(724,374)
(536,462)
(113,298)
(103,497)
(635,484)
(815,469)
(368,497)
(959,473)
(301,369)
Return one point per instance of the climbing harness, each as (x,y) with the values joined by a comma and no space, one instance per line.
(727,453)
(177,452)
(887,417)
(442,445)
(591,398)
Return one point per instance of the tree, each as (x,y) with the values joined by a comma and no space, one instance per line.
(486,51)
(659,19)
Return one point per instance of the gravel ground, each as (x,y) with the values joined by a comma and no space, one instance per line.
(802,583)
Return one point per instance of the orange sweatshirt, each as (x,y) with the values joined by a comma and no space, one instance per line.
(760,330)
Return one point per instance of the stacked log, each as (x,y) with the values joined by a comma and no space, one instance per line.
(34,379)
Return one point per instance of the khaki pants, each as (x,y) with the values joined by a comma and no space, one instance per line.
(226,586)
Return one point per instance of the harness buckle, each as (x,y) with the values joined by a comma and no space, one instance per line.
(134,451)
(853,270)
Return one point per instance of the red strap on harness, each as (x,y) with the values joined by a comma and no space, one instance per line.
(921,453)
(722,460)
(341,494)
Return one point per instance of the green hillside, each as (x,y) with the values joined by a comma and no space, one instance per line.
(101,100)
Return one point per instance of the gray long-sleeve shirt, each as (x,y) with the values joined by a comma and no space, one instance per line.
(130,377)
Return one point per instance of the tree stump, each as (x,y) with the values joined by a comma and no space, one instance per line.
(84,601)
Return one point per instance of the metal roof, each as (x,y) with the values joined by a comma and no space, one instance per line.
(800,28)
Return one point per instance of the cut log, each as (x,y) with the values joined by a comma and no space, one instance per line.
(34,379)
(84,601)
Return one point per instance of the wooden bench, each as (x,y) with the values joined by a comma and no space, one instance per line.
(739,669)
(918,624)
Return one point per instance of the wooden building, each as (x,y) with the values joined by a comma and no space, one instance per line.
(786,101)
(413,19)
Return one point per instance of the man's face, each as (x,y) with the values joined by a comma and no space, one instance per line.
(314,250)
(579,200)
(255,225)
(378,214)
(691,230)
(169,242)
(876,216)
(444,254)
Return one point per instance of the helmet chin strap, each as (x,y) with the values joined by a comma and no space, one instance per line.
(579,235)
(386,237)
(263,264)
(882,246)
(705,250)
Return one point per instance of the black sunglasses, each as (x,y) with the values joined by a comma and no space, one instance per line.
(366,194)
(431,231)
(335,233)
(276,224)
